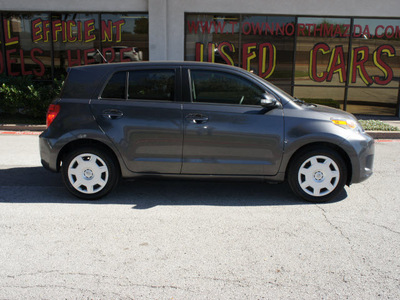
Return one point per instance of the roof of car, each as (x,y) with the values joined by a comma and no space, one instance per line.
(152,63)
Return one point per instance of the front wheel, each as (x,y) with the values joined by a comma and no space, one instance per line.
(89,173)
(317,175)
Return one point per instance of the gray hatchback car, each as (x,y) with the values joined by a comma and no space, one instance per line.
(201,121)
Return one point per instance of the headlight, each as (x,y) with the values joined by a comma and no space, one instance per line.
(348,124)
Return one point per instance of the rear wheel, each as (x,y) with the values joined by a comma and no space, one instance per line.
(317,175)
(89,173)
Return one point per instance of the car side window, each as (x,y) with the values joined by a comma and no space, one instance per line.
(224,88)
(115,88)
(152,85)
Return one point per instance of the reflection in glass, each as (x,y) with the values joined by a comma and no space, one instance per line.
(25,53)
(322,51)
(374,60)
(75,39)
(372,101)
(267,43)
(323,61)
(124,37)
(213,38)
(80,39)
(321,95)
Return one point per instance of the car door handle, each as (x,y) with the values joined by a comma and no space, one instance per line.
(112,114)
(196,118)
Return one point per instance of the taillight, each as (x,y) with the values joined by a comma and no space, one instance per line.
(52,113)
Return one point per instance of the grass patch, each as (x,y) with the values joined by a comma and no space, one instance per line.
(377,125)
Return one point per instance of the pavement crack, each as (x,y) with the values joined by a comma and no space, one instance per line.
(128,284)
(47,286)
(371,196)
(384,227)
(236,282)
(337,228)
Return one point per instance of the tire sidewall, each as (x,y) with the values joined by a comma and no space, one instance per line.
(113,172)
(303,156)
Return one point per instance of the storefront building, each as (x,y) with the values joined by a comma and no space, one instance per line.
(345,53)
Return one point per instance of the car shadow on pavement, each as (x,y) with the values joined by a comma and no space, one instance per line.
(17,183)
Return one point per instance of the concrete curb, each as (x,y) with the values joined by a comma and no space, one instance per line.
(386,135)
(22,127)
(389,135)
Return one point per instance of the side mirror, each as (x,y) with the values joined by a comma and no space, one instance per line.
(268,101)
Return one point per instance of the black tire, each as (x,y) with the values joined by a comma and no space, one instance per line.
(317,174)
(89,173)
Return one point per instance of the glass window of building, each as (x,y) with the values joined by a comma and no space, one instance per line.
(25,54)
(124,37)
(348,63)
(321,59)
(44,45)
(213,38)
(375,67)
(322,51)
(267,45)
(76,38)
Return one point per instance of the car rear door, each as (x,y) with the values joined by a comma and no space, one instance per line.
(226,131)
(139,111)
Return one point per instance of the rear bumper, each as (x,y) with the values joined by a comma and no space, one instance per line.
(48,156)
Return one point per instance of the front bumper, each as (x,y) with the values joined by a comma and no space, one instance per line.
(361,150)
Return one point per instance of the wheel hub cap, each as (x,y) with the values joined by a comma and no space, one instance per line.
(319,176)
(88,174)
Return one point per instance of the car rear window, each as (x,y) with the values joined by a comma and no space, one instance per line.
(81,83)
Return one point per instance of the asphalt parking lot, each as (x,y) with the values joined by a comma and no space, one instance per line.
(195,240)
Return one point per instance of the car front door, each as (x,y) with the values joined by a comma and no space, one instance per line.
(226,131)
(139,112)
